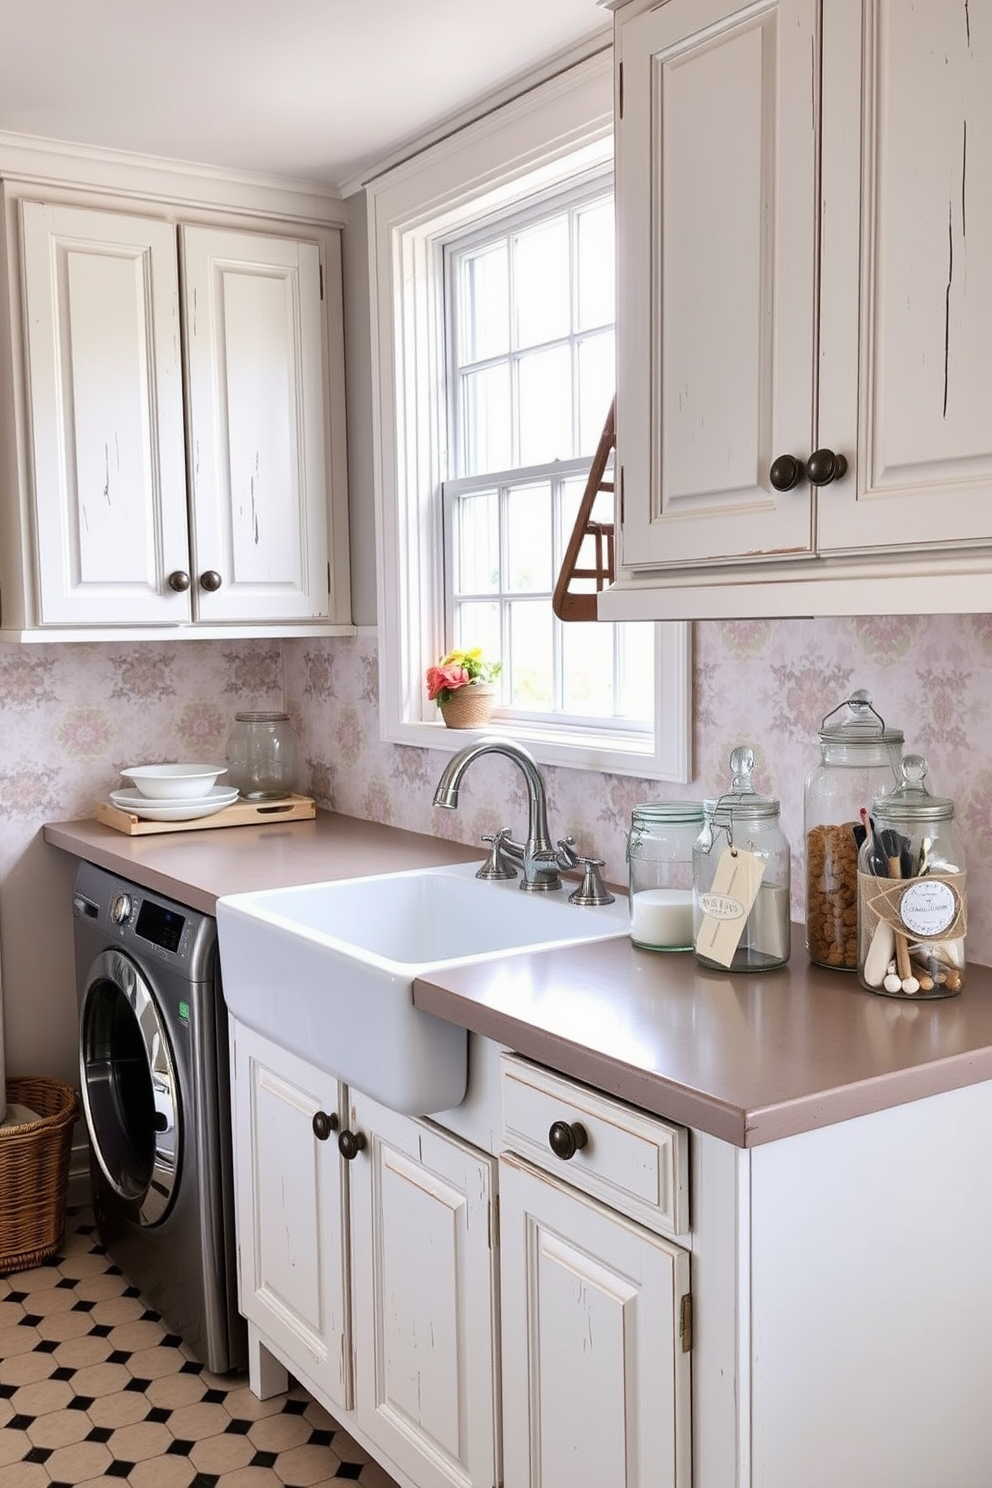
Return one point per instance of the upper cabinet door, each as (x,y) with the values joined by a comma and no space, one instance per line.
(105,416)
(907,269)
(717,152)
(256,425)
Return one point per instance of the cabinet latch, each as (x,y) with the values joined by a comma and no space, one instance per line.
(685,1322)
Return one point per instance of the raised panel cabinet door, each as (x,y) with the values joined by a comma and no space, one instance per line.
(292,1268)
(717,142)
(424,1298)
(595,1379)
(105,415)
(256,414)
(907,262)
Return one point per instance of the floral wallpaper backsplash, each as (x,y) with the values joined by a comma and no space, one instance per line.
(72,715)
(767,683)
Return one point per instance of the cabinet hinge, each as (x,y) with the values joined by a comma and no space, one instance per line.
(620,90)
(685,1322)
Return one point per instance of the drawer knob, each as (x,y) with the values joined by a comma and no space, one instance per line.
(179,581)
(823,466)
(210,580)
(350,1144)
(565,1138)
(323,1124)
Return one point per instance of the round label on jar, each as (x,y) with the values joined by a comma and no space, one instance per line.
(928,907)
(721,907)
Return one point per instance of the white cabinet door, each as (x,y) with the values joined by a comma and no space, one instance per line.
(292,1269)
(105,414)
(906,295)
(256,425)
(595,1379)
(424,1262)
(717,143)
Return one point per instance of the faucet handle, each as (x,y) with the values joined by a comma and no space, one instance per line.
(496,867)
(592,890)
(566,856)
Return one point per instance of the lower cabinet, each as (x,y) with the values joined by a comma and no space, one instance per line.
(367,1266)
(595,1377)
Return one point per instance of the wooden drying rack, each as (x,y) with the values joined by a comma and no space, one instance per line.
(566,602)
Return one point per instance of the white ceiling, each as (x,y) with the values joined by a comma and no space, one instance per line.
(319,90)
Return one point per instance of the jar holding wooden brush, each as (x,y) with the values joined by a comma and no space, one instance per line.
(912,896)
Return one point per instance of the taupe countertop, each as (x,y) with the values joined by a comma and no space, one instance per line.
(749,1059)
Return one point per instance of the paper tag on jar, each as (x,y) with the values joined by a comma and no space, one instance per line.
(727,904)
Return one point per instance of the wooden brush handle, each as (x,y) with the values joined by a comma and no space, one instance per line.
(903,964)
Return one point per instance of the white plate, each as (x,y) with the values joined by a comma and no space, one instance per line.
(127,797)
(139,805)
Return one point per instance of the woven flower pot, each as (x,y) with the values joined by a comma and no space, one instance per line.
(469,707)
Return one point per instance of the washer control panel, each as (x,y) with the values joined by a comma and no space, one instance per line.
(138,920)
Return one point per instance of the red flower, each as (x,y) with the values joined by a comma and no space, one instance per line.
(445,679)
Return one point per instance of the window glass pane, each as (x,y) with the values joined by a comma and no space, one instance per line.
(530,681)
(588,668)
(597,381)
(478,625)
(485,442)
(541,283)
(595,271)
(484,305)
(545,403)
(477,543)
(637,669)
(528,539)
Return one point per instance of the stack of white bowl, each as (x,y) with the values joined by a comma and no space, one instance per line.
(174,792)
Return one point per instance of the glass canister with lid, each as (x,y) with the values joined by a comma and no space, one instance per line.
(262,755)
(741,878)
(659,857)
(912,893)
(859,762)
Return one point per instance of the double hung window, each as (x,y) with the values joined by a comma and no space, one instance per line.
(491,266)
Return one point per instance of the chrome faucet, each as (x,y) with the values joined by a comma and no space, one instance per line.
(539,860)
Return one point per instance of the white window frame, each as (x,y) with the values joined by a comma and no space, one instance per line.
(561,129)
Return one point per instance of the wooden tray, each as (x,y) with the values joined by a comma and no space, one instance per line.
(240,814)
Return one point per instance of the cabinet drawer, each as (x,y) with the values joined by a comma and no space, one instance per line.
(634,1162)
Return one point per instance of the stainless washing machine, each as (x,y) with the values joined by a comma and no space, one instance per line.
(153,1060)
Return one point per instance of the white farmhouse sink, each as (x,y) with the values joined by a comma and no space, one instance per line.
(327,970)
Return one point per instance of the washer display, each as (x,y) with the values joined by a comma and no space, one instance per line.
(155,1086)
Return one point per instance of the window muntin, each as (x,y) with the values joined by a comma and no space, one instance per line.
(530,310)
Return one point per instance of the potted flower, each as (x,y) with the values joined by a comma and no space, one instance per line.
(462,685)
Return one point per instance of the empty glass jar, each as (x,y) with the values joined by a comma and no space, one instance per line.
(659,854)
(262,756)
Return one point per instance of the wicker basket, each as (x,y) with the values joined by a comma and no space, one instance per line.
(34,1171)
(469,707)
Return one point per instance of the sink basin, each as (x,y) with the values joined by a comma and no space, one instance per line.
(326,970)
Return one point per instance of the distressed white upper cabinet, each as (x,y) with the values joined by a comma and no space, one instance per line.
(179,422)
(254,352)
(105,415)
(805,264)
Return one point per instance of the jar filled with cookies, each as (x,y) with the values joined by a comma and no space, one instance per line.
(860,762)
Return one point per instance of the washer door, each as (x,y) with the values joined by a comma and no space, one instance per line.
(129,1086)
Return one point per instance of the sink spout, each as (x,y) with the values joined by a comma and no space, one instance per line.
(537,855)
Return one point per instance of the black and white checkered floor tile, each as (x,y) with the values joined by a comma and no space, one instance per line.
(94,1390)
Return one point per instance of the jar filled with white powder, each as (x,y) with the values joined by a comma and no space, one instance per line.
(659,855)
